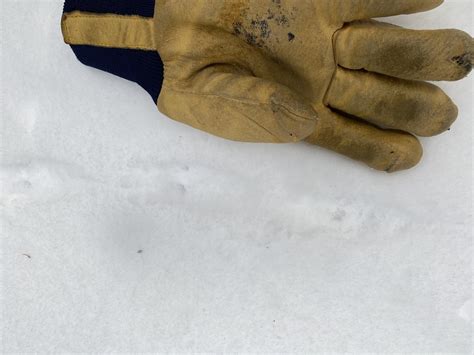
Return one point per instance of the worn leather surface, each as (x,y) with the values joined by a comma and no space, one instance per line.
(314,70)
(278,71)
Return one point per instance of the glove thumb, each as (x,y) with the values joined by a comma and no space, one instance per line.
(231,103)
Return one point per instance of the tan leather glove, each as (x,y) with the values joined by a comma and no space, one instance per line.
(289,70)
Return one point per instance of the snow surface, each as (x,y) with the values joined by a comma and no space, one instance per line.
(125,231)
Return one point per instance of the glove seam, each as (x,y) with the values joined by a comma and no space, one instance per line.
(240,100)
(334,55)
(278,139)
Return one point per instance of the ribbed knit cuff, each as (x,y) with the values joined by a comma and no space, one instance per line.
(141,66)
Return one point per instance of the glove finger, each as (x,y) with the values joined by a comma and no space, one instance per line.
(363,9)
(380,149)
(238,107)
(404,53)
(413,106)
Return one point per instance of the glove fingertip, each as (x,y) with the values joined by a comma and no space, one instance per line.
(406,154)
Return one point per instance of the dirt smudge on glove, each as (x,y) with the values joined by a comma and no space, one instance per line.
(464,61)
(260,29)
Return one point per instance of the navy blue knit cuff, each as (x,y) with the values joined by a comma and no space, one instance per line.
(141,66)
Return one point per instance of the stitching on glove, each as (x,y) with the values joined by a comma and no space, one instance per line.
(334,54)
(237,99)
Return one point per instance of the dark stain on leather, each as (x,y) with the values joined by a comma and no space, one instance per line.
(257,30)
(262,27)
(250,36)
(464,61)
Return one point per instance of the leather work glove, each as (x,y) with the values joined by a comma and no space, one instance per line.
(283,70)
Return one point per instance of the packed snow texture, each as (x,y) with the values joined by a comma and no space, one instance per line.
(125,231)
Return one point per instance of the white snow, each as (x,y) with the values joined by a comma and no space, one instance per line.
(125,231)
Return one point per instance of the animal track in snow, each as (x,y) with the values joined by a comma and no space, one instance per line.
(148,184)
(465,312)
(38,180)
(161,182)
